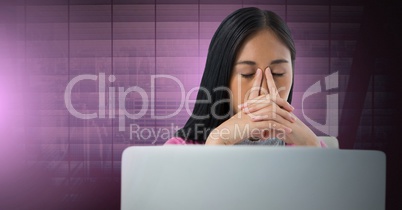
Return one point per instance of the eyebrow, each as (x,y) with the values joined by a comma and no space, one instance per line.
(252,63)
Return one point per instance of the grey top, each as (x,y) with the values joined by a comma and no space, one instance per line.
(268,142)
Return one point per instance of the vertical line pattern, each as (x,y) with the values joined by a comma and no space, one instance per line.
(372,136)
(329,47)
(68,73)
(155,71)
(112,73)
(25,67)
(329,37)
(286,11)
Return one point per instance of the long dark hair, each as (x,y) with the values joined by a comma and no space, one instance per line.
(222,52)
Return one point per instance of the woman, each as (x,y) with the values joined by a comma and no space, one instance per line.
(246,90)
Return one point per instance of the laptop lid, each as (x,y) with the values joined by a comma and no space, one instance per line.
(251,177)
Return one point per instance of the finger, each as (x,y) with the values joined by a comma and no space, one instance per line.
(273,91)
(254,105)
(283,103)
(266,133)
(253,92)
(274,125)
(273,114)
(257,100)
(270,82)
(264,101)
(258,103)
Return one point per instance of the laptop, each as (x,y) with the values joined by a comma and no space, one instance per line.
(251,177)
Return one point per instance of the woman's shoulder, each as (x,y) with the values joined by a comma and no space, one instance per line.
(180,141)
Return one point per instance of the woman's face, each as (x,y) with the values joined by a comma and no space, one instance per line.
(260,50)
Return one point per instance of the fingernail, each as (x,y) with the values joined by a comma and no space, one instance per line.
(292,118)
(258,72)
(288,130)
(239,106)
(255,117)
(292,107)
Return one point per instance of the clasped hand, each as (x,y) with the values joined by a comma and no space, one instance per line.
(263,116)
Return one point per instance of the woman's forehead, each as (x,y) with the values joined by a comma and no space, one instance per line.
(263,44)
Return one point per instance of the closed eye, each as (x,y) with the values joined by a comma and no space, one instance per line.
(248,75)
(277,75)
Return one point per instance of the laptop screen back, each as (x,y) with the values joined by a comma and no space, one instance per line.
(251,177)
